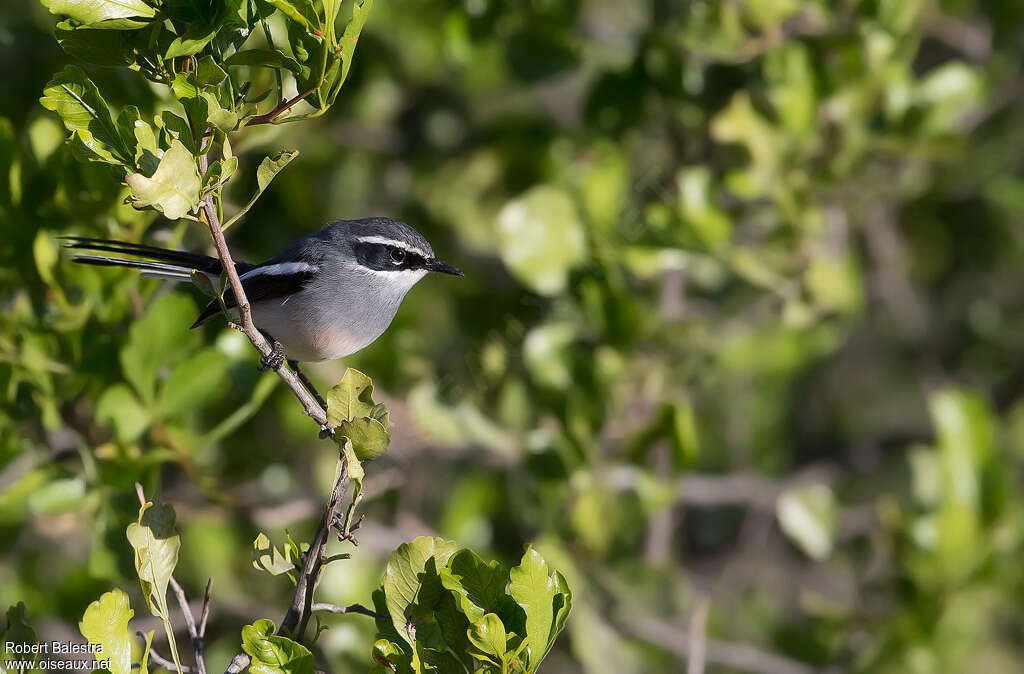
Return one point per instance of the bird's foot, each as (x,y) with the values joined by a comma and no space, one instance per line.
(273,360)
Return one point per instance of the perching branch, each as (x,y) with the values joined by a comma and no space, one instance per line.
(246,326)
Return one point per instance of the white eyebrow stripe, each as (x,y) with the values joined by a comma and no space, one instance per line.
(281,269)
(391,242)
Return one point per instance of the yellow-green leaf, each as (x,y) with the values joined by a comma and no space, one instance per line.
(105,624)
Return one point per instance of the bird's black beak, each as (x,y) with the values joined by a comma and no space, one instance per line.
(434,264)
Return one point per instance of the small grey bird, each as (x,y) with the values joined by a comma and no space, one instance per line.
(325,296)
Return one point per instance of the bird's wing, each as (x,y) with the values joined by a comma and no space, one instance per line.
(265,282)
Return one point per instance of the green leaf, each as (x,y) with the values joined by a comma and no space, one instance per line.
(274,654)
(360,13)
(99,47)
(201,106)
(488,636)
(174,126)
(139,139)
(174,188)
(59,496)
(411,583)
(105,624)
(541,238)
(219,172)
(208,72)
(107,14)
(192,383)
(351,398)
(16,630)
(156,545)
(268,169)
(195,38)
(46,255)
(268,558)
(269,58)
(203,283)
(120,407)
(966,430)
(161,337)
(75,98)
(478,586)
(388,654)
(369,437)
(543,599)
(144,662)
(289,10)
(809,515)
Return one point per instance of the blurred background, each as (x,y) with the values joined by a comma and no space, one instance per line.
(739,346)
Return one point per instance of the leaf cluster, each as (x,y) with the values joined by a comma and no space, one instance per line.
(205,56)
(444,609)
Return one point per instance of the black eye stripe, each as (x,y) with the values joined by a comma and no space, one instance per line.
(383,257)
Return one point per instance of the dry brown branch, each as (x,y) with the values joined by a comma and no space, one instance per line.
(697,636)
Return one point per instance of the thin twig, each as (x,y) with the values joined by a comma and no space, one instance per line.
(294,623)
(238,663)
(744,657)
(697,636)
(284,107)
(351,608)
(190,624)
(205,614)
(296,619)
(161,660)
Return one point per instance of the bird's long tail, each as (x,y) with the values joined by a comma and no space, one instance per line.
(171,265)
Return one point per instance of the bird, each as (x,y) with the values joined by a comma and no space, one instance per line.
(325,296)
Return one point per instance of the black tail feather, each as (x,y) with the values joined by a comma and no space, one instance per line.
(204,263)
(144,265)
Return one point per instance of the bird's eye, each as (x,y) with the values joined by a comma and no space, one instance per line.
(397,255)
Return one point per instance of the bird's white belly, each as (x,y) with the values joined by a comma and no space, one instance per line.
(310,336)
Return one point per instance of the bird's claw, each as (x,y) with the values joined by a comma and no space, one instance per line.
(273,360)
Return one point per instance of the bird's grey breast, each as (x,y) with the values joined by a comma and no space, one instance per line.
(344,309)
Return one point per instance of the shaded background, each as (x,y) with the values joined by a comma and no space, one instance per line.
(740,333)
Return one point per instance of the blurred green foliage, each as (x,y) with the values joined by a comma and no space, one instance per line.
(740,325)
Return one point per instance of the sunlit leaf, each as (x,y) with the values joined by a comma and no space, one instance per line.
(809,515)
(174,188)
(106,14)
(544,598)
(274,654)
(156,544)
(105,624)
(411,584)
(351,398)
(541,238)
(84,112)
(487,635)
